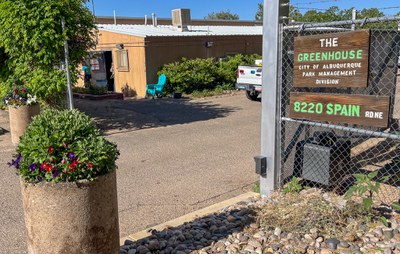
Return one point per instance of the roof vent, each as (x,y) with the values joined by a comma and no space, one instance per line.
(181,19)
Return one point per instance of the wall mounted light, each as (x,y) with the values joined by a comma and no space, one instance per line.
(209,44)
(119,46)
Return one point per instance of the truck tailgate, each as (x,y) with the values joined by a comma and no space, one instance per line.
(249,75)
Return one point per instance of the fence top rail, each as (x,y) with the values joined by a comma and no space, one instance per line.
(331,25)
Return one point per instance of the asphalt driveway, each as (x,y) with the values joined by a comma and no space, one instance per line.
(176,156)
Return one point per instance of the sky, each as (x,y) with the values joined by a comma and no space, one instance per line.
(246,9)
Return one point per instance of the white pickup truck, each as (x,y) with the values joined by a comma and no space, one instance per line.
(249,79)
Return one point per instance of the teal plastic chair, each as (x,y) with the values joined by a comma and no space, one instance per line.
(156,89)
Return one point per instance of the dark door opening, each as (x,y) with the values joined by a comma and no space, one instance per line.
(109,70)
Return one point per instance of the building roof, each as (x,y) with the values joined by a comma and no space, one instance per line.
(168,21)
(149,30)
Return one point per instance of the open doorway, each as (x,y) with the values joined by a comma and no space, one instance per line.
(109,70)
(101,64)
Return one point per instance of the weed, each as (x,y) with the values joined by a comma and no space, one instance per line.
(365,187)
(293,186)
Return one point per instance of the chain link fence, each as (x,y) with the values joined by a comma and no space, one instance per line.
(327,154)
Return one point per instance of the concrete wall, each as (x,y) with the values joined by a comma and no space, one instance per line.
(135,77)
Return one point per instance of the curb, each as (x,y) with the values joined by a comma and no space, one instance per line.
(189,217)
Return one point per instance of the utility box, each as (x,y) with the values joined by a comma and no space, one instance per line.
(322,159)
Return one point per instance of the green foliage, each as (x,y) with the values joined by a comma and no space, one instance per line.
(256,187)
(364,188)
(32,43)
(293,186)
(260,12)
(333,13)
(396,206)
(61,146)
(222,15)
(190,75)
(227,69)
(91,90)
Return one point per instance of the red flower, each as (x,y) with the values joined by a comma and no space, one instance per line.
(49,168)
(72,166)
(16,91)
(24,90)
(50,149)
(46,166)
(90,165)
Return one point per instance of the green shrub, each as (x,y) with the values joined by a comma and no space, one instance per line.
(91,90)
(227,68)
(190,75)
(63,145)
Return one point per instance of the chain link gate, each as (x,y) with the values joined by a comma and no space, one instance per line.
(327,154)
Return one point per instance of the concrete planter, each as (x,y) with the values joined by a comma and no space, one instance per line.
(20,117)
(72,218)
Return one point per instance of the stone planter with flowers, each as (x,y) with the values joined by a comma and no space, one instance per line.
(68,185)
(22,106)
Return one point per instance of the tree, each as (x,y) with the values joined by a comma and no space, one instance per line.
(222,15)
(260,12)
(32,43)
(331,14)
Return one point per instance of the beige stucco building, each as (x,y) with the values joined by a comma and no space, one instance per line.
(136,52)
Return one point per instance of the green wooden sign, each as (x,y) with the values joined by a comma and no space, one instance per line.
(332,60)
(366,110)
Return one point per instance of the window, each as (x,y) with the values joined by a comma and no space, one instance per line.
(122,60)
(95,65)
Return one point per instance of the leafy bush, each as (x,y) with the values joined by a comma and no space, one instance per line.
(63,146)
(227,68)
(91,90)
(190,75)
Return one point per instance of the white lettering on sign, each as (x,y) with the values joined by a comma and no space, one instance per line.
(327,81)
(309,74)
(375,115)
(304,67)
(328,42)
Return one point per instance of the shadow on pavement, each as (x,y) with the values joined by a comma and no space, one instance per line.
(201,233)
(125,115)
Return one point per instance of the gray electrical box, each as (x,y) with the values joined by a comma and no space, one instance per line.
(261,165)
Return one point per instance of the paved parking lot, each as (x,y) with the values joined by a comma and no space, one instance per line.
(177,156)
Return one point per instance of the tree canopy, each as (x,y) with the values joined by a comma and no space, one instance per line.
(32,43)
(222,15)
(331,14)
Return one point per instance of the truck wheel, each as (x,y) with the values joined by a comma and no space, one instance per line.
(252,95)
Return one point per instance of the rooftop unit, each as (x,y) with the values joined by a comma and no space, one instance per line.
(181,19)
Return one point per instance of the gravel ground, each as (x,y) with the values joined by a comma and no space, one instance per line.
(240,229)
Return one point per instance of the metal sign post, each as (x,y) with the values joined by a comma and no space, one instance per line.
(69,88)
(270,82)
